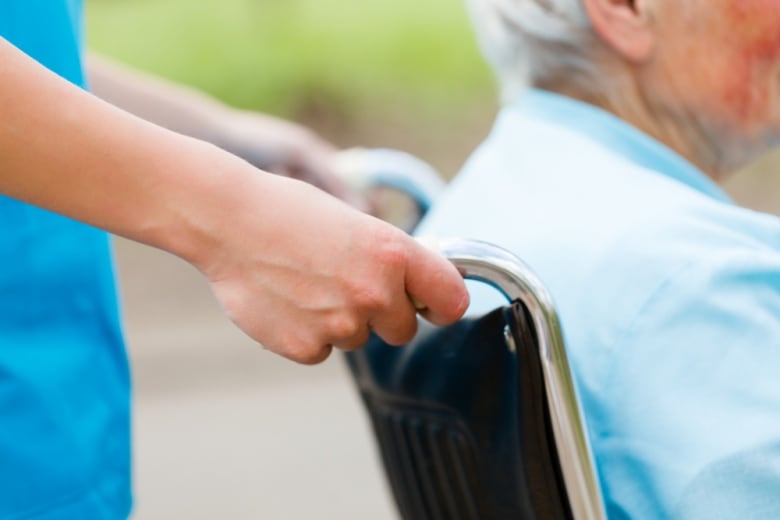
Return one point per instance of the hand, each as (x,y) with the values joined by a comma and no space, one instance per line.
(319,274)
(288,149)
(295,268)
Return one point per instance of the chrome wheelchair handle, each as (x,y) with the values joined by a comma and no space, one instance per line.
(503,270)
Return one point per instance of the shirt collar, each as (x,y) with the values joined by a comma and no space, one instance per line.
(617,135)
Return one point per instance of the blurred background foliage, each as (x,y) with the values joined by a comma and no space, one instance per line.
(400,73)
(397,73)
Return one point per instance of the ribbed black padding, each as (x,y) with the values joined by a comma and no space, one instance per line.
(461,421)
(434,463)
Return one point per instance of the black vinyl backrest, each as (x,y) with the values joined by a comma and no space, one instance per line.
(461,420)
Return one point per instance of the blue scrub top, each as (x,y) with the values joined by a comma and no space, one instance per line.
(669,297)
(64,382)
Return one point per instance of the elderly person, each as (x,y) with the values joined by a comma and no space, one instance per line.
(603,171)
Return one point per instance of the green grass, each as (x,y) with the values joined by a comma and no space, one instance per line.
(292,56)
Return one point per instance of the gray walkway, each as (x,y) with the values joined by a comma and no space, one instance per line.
(226,430)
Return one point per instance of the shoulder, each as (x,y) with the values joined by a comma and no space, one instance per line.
(687,273)
(692,382)
(720,279)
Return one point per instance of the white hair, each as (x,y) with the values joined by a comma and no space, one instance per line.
(536,42)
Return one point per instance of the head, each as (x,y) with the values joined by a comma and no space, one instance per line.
(703,76)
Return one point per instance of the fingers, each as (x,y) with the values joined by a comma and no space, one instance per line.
(431,285)
(398,325)
(391,309)
(327,278)
(435,284)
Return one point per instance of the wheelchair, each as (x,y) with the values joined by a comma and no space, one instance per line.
(480,420)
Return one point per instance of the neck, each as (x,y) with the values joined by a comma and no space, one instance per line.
(626,98)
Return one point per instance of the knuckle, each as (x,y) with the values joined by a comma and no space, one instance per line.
(311,355)
(301,348)
(358,341)
(392,248)
(373,298)
(343,326)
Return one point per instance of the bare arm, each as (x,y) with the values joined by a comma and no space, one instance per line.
(295,269)
(267,142)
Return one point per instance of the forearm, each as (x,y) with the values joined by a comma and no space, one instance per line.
(63,149)
(296,269)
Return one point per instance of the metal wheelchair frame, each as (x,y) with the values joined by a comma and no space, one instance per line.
(507,273)
(514,279)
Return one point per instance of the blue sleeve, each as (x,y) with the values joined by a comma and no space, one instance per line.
(694,403)
(49,31)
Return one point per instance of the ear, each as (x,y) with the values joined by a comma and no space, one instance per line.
(624,25)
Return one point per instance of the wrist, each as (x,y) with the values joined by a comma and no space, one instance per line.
(205,191)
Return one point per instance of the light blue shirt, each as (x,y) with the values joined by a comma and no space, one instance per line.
(64,382)
(669,296)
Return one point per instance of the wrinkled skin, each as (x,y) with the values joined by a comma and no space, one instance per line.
(716,70)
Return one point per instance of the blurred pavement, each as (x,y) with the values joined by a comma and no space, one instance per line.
(224,429)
